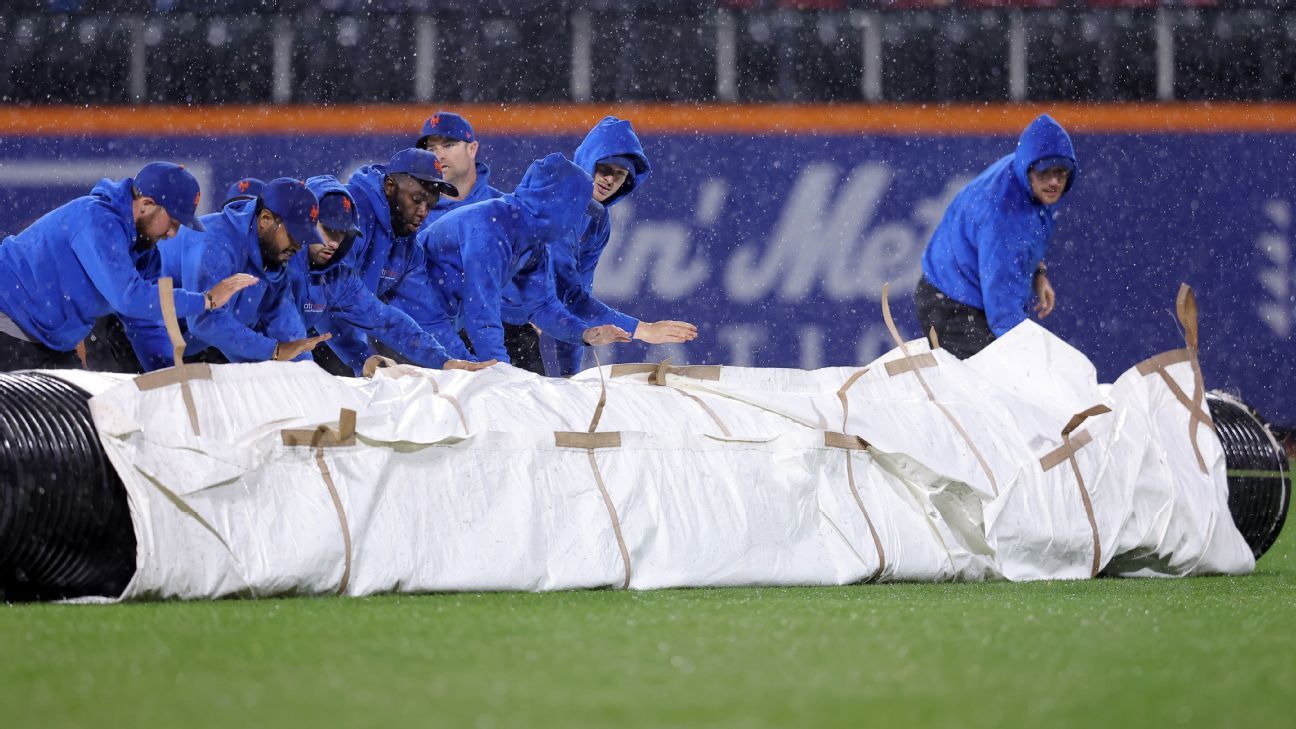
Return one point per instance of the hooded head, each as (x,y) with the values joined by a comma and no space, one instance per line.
(614,141)
(337,222)
(555,193)
(1045,140)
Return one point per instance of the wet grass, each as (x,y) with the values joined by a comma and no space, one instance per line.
(1200,652)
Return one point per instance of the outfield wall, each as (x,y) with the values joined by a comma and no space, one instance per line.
(774,228)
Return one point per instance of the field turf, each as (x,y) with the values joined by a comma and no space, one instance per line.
(1198,652)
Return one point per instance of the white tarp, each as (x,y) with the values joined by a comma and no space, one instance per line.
(918,467)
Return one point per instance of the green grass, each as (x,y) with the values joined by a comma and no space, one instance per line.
(1197,652)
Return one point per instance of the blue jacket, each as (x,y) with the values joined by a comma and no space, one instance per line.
(481,190)
(476,251)
(256,318)
(332,299)
(574,261)
(78,263)
(994,233)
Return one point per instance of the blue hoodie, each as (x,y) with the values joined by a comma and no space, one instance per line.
(332,299)
(392,267)
(481,190)
(476,251)
(78,263)
(256,319)
(994,233)
(574,261)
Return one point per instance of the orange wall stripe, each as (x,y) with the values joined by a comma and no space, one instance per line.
(952,120)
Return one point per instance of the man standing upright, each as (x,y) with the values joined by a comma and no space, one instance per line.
(987,255)
(450,137)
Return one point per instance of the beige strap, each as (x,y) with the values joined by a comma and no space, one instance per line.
(1063,453)
(834,439)
(1161,361)
(323,436)
(931,337)
(909,364)
(602,403)
(841,393)
(590,441)
(1082,416)
(1186,310)
(172,376)
(967,438)
(859,502)
(375,363)
(166,296)
(612,514)
(342,518)
(1088,504)
(693,372)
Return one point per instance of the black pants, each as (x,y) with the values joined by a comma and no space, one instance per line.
(17,354)
(522,342)
(962,330)
(108,349)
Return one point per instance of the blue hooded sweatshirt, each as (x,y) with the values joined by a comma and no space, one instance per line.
(256,319)
(78,263)
(995,233)
(574,261)
(332,299)
(392,267)
(481,190)
(478,250)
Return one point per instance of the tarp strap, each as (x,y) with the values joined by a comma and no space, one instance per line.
(319,439)
(917,372)
(908,364)
(841,393)
(179,373)
(378,362)
(1062,453)
(591,442)
(1084,497)
(931,337)
(1186,310)
(849,443)
(693,372)
(602,401)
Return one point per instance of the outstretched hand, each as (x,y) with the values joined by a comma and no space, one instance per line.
(463,364)
(665,332)
(290,350)
(1044,292)
(605,334)
(224,290)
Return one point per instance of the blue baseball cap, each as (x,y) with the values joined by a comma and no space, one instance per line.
(449,125)
(423,166)
(172,187)
(248,188)
(337,212)
(1054,162)
(626,163)
(296,206)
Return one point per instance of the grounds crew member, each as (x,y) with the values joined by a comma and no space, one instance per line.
(477,251)
(612,155)
(247,188)
(986,257)
(258,237)
(78,263)
(450,137)
(328,291)
(391,202)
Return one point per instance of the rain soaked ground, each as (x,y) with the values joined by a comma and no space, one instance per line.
(1198,652)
